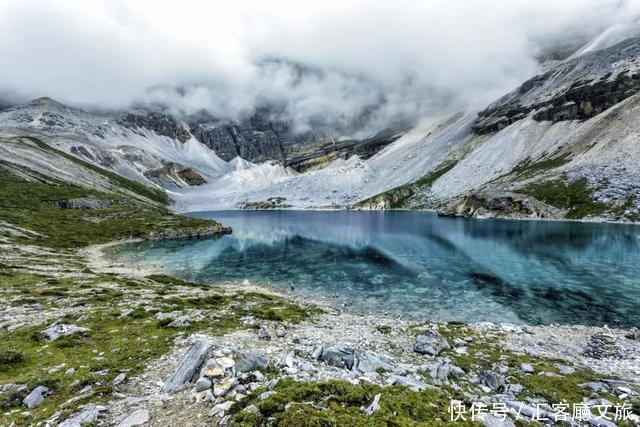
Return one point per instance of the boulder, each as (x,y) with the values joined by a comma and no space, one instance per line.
(136,418)
(119,379)
(250,361)
(374,407)
(369,362)
(179,322)
(489,420)
(82,203)
(203,384)
(187,366)
(430,342)
(87,416)
(56,331)
(491,379)
(36,397)
(340,356)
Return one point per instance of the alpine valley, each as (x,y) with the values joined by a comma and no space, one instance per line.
(139,287)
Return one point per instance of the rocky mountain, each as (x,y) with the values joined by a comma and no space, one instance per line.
(576,89)
(563,144)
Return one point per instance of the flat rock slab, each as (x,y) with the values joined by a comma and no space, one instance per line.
(430,342)
(36,397)
(187,366)
(137,418)
(88,415)
(54,332)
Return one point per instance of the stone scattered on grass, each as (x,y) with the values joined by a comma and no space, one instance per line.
(36,397)
(430,342)
(137,418)
(187,366)
(56,331)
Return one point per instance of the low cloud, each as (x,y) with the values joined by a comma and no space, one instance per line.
(353,67)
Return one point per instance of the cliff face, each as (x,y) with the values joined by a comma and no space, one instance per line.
(577,89)
(160,123)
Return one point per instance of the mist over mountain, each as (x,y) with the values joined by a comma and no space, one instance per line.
(349,69)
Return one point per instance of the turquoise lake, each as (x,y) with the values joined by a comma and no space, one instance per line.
(419,265)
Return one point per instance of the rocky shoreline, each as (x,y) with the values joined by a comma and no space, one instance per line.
(246,355)
(372,349)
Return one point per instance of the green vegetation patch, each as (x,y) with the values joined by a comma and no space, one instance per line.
(575,196)
(398,197)
(340,403)
(153,194)
(528,168)
(27,204)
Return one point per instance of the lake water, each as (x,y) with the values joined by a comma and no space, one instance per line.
(420,266)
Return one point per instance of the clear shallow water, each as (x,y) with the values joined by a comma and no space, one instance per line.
(421,266)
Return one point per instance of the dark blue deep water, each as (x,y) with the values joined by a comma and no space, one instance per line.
(421,266)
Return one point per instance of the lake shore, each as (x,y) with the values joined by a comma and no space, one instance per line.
(272,354)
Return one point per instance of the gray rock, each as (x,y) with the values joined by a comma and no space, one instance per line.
(602,345)
(596,387)
(489,420)
(439,370)
(82,203)
(263,334)
(374,407)
(491,379)
(56,331)
(430,342)
(203,384)
(220,409)
(250,361)
(513,389)
(252,409)
(221,388)
(526,368)
(180,322)
(119,379)
(266,395)
(339,356)
(137,418)
(88,415)
(369,362)
(411,382)
(187,366)
(317,352)
(565,370)
(36,397)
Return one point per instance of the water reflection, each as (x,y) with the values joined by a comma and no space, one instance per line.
(422,266)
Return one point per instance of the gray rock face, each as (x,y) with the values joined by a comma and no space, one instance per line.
(82,203)
(203,383)
(137,418)
(36,397)
(88,416)
(339,356)
(187,366)
(256,139)
(491,379)
(160,123)
(54,332)
(250,362)
(576,89)
(175,175)
(179,322)
(430,342)
(489,420)
(374,407)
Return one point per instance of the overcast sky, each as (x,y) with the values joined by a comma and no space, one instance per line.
(395,59)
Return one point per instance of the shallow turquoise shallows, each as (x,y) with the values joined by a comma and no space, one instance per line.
(420,266)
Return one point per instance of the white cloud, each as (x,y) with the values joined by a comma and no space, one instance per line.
(398,59)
